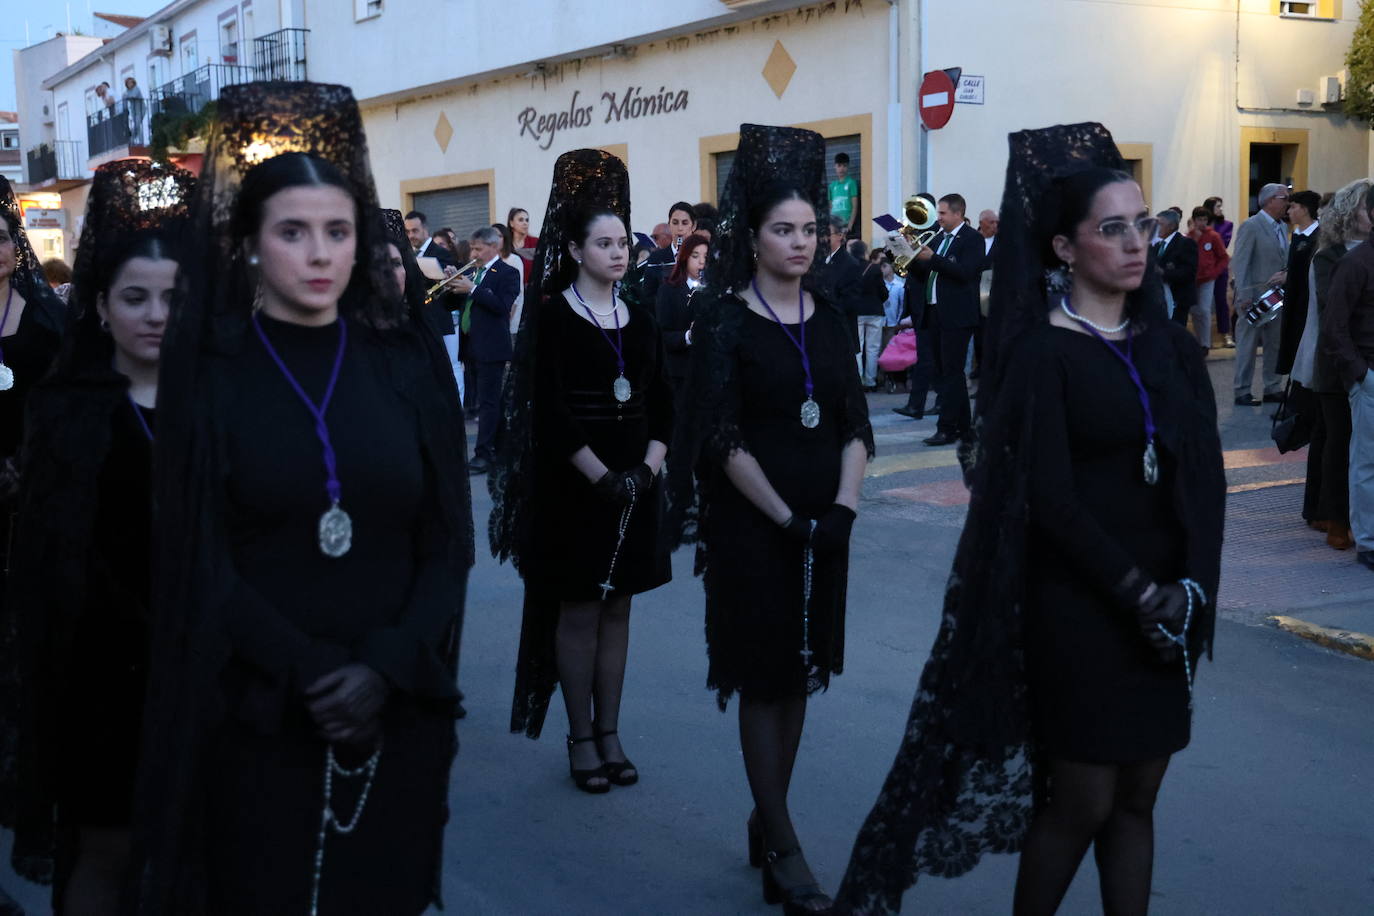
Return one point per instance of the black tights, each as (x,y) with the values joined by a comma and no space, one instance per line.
(1108,807)
(769,735)
(593,640)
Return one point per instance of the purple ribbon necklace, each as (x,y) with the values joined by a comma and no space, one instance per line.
(621,387)
(336,528)
(1150,462)
(810,410)
(6,373)
(142,420)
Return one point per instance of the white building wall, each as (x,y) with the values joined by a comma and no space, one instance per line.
(421,43)
(34,64)
(1157,72)
(841,74)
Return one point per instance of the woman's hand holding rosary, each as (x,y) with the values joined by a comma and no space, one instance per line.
(832,530)
(1167,606)
(347,703)
(614,486)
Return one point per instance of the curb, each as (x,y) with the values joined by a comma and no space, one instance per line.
(1356,644)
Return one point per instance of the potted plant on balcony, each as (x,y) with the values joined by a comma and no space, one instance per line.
(182,131)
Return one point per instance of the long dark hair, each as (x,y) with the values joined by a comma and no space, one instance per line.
(90,345)
(684,254)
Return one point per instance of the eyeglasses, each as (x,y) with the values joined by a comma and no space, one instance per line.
(1114,230)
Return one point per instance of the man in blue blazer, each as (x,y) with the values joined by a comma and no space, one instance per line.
(484,334)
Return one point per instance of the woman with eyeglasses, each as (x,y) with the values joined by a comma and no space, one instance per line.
(1084,589)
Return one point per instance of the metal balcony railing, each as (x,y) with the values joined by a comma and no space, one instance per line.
(57,159)
(190,93)
(116,125)
(280,55)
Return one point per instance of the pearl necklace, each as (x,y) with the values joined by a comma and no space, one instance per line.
(1064,305)
(601,315)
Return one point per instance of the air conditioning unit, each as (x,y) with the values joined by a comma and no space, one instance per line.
(1306,97)
(47,114)
(1332,88)
(160,40)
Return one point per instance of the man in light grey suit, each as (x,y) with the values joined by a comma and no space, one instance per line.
(1258,257)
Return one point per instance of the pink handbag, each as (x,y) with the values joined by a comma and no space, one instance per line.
(900,352)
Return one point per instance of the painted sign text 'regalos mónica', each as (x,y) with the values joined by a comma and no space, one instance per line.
(634,102)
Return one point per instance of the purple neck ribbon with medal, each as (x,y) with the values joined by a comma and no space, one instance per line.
(1150,463)
(810,410)
(620,388)
(335,528)
(6,373)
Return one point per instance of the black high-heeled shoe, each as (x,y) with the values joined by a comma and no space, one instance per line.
(755,840)
(793,899)
(583,778)
(616,769)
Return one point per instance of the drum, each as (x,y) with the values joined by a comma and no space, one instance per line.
(1266,307)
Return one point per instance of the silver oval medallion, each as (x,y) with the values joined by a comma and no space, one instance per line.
(810,414)
(6,377)
(1151,463)
(336,532)
(621,389)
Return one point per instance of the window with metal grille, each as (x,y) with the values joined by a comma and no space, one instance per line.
(833,145)
(1308,9)
(459,209)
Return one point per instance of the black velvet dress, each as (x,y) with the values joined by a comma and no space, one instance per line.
(295,614)
(1098,691)
(576,530)
(108,669)
(573,531)
(753,577)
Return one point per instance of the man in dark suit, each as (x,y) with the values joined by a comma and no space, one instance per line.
(1176,261)
(485,334)
(417,230)
(949,268)
(682,222)
(1302,216)
(842,278)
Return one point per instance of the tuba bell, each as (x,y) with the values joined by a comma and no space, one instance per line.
(918,228)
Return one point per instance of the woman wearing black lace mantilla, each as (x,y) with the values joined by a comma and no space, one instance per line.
(778,436)
(82,558)
(577,500)
(1083,592)
(312,541)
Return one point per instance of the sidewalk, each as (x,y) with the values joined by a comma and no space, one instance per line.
(1274,569)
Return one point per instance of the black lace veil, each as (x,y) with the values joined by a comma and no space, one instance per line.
(28,279)
(254,122)
(67,439)
(962,783)
(767,157)
(582,179)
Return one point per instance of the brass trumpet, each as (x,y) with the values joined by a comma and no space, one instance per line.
(438,288)
(918,228)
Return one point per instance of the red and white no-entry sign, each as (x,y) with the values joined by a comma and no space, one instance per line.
(936,99)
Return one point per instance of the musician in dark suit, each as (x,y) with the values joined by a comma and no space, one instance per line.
(682,222)
(485,334)
(948,270)
(842,277)
(1175,258)
(417,230)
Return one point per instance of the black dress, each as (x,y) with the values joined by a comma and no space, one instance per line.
(753,577)
(108,669)
(576,530)
(29,352)
(1098,691)
(295,614)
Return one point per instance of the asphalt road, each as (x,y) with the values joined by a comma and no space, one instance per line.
(1269,811)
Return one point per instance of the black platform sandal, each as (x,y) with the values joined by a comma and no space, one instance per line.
(584,778)
(793,899)
(616,769)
